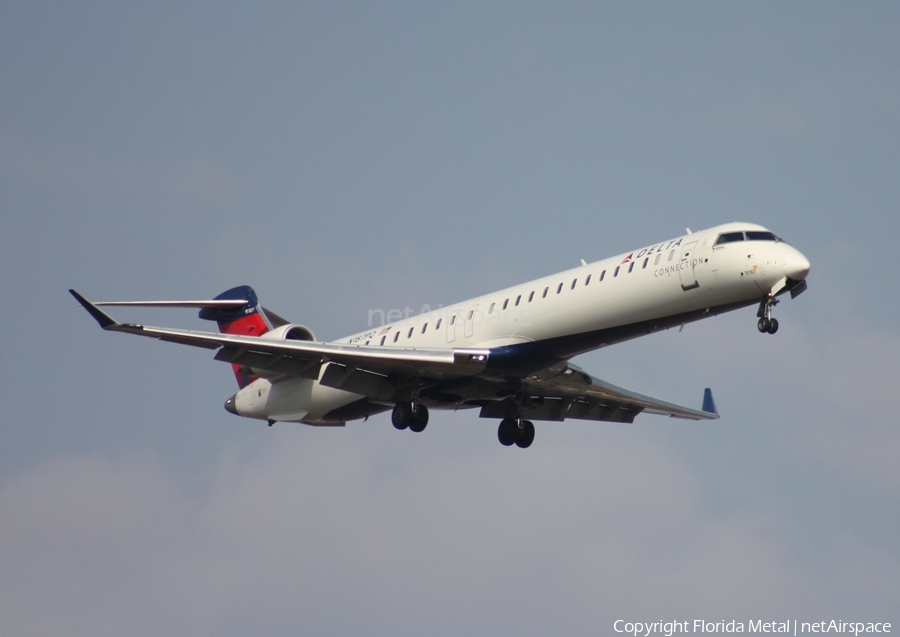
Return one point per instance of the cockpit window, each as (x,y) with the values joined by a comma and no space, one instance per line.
(729,237)
(756,235)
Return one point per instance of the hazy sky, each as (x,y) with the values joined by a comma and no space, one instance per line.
(348,157)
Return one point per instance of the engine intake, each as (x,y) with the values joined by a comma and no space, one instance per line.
(291,332)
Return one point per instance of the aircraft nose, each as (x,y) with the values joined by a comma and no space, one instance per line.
(796,266)
(230,406)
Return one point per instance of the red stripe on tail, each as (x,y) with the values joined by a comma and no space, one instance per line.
(250,325)
(246,320)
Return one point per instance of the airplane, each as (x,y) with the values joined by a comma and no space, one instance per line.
(506,353)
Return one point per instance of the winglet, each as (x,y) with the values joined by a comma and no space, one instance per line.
(104,319)
(709,403)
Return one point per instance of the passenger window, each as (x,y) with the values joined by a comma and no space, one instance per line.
(518,298)
(656,260)
(587,280)
(409,334)
(396,335)
(630,267)
(602,275)
(453,320)
(546,289)
(382,340)
(491,308)
(574,282)
(424,327)
(505,303)
(559,289)
(471,314)
(438,326)
(646,261)
(616,271)
(531,296)
(671,255)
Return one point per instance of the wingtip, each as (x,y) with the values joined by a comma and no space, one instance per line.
(709,403)
(103,319)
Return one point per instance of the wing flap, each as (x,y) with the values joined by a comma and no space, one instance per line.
(567,391)
(279,364)
(258,351)
(558,408)
(358,381)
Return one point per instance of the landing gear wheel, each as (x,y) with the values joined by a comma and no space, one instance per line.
(402,415)
(412,416)
(766,324)
(513,431)
(419,418)
(508,431)
(526,434)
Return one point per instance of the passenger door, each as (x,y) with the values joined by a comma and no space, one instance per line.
(686,267)
(471,316)
(451,326)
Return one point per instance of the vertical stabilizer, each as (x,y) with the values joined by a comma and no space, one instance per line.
(244,320)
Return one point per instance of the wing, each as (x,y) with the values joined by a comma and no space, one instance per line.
(375,372)
(566,391)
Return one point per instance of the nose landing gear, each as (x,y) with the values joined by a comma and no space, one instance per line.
(766,324)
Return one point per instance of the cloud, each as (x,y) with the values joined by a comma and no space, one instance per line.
(78,535)
(370,530)
(834,387)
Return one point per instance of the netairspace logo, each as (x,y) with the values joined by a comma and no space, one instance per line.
(790,627)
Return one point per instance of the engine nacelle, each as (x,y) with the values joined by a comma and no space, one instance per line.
(291,332)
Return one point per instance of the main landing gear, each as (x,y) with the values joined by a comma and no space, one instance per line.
(411,415)
(516,431)
(766,324)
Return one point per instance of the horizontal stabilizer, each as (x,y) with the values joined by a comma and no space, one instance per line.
(214,303)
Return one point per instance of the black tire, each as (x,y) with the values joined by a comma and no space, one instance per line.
(507,432)
(401,416)
(763,325)
(526,434)
(773,326)
(419,419)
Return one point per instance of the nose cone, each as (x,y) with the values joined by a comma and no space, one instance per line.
(796,266)
(230,406)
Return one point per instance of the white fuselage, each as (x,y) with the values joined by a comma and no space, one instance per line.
(583,308)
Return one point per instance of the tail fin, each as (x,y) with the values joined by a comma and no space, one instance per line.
(244,320)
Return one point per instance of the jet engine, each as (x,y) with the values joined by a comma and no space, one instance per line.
(290,332)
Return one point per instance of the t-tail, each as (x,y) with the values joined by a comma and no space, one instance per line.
(247,319)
